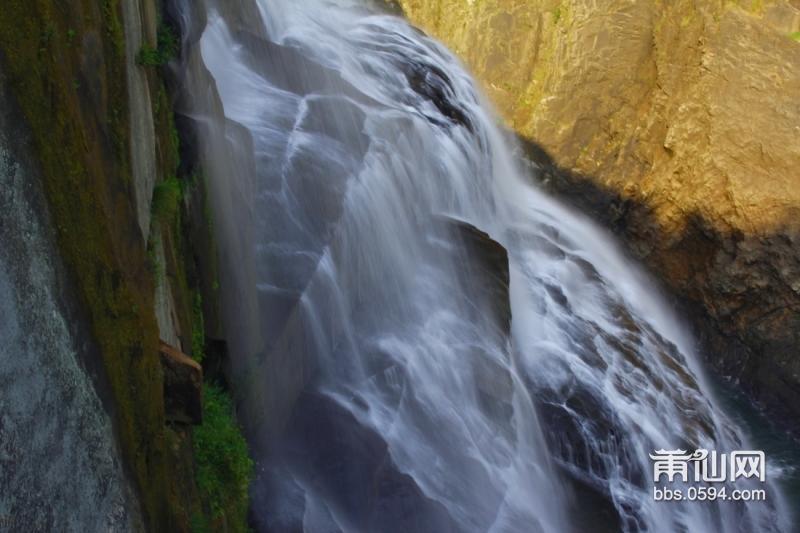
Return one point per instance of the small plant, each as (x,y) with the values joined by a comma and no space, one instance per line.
(167,45)
(224,469)
(795,36)
(164,206)
(70,36)
(157,105)
(556,14)
(46,38)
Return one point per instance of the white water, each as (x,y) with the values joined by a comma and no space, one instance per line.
(598,372)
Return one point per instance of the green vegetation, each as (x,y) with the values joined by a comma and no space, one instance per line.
(87,192)
(795,36)
(224,469)
(165,203)
(47,36)
(114,275)
(165,50)
(556,14)
(198,328)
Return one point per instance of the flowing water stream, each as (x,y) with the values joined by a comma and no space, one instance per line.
(353,164)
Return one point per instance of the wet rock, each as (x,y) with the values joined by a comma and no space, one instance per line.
(289,69)
(183,386)
(434,85)
(485,268)
(349,466)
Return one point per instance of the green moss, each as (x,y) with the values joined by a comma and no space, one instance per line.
(94,213)
(198,330)
(83,150)
(164,205)
(224,469)
(556,14)
(165,50)
(200,524)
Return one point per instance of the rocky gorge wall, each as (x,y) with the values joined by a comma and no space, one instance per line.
(57,416)
(106,247)
(676,125)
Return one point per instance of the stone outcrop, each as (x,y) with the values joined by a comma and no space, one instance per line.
(183,386)
(676,125)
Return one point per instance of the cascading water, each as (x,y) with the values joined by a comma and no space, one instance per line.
(365,146)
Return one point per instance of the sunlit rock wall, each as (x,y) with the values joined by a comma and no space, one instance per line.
(677,125)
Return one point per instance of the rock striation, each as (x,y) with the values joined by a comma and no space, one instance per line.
(677,125)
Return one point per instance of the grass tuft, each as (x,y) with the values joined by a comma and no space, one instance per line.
(224,469)
(166,48)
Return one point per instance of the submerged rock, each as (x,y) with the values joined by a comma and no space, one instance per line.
(349,465)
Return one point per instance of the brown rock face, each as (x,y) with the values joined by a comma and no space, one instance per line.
(183,386)
(677,125)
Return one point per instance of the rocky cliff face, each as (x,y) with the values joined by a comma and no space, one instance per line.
(677,125)
(90,276)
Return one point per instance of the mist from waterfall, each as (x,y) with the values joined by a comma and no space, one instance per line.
(351,146)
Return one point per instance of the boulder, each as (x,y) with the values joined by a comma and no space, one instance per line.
(183,386)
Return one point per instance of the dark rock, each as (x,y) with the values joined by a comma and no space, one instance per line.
(433,84)
(485,267)
(287,68)
(350,467)
(183,386)
(217,363)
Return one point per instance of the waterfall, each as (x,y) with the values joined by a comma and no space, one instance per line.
(351,159)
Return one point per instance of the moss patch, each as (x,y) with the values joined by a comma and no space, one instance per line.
(65,64)
(224,469)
